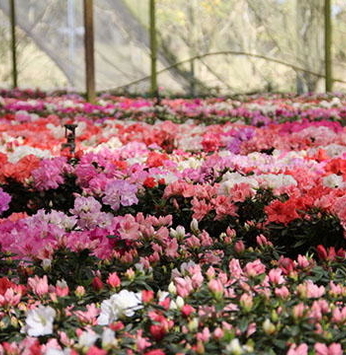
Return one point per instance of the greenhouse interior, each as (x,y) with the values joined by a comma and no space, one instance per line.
(172,177)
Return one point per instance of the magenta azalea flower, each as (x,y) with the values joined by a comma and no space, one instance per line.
(5,200)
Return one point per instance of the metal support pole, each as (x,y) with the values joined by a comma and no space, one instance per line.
(89,50)
(153,48)
(328,45)
(13,43)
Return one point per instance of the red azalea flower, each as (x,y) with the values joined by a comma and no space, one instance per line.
(336,166)
(94,350)
(281,212)
(156,159)
(186,310)
(117,326)
(113,280)
(5,284)
(147,296)
(97,284)
(149,182)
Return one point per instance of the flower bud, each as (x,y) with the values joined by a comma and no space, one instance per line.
(130,274)
(46,264)
(14,322)
(97,284)
(246,302)
(80,291)
(172,289)
(274,316)
(180,302)
(268,327)
(62,288)
(298,311)
(178,233)
(113,280)
(193,324)
(194,226)
(186,310)
(239,247)
(216,287)
(234,347)
(200,349)
(218,333)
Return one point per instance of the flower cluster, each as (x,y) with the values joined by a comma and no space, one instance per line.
(219,231)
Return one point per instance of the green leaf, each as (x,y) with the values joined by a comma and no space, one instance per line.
(281,344)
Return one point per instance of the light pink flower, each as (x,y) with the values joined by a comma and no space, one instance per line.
(39,286)
(332,349)
(298,311)
(88,316)
(254,268)
(10,298)
(302,349)
(275,277)
(246,302)
(282,292)
(309,290)
(235,269)
(184,286)
(339,315)
(216,287)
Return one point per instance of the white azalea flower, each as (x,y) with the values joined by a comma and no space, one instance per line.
(229,180)
(333,181)
(122,304)
(57,131)
(162,295)
(190,163)
(108,338)
(24,150)
(234,347)
(112,144)
(275,181)
(335,150)
(54,351)
(178,233)
(87,339)
(39,321)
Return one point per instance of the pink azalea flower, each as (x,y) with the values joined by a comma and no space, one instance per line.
(184,286)
(113,280)
(254,268)
(39,285)
(332,349)
(301,349)
(89,316)
(275,277)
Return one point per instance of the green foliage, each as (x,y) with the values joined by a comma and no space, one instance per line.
(303,235)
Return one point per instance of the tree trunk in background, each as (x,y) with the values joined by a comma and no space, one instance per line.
(139,34)
(126,20)
(193,39)
(40,41)
(310,42)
